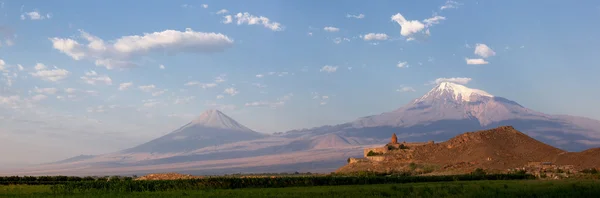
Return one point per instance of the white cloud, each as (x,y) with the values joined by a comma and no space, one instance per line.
(220,79)
(119,53)
(39,97)
(338,40)
(192,83)
(48,91)
(484,51)
(328,69)
(39,66)
(375,36)
(20,67)
(247,18)
(259,75)
(310,34)
(70,90)
(220,96)
(150,103)
(158,93)
(97,109)
(402,64)
(359,16)
(203,85)
(91,92)
(11,101)
(222,11)
(35,15)
(227,19)
(405,89)
(331,29)
(476,61)
(222,107)
(279,102)
(407,28)
(231,91)
(433,20)
(9,42)
(46,74)
(161,66)
(458,80)
(184,100)
(259,85)
(147,88)
(449,4)
(2,65)
(124,86)
(92,78)
(205,5)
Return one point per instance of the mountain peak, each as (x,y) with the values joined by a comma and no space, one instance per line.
(456,91)
(216,119)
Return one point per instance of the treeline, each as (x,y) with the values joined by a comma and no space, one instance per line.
(50,180)
(276,182)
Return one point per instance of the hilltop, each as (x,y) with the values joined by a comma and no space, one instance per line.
(497,150)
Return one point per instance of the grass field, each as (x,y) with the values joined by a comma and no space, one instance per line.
(521,188)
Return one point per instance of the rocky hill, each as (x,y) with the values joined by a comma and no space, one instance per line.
(498,149)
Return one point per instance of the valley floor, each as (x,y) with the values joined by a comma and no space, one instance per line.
(522,188)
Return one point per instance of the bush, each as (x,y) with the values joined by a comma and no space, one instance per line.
(371,153)
(402,146)
(590,171)
(478,171)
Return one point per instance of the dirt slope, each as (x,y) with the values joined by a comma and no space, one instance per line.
(495,149)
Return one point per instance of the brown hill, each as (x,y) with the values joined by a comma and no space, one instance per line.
(497,149)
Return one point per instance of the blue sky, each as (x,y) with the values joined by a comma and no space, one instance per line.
(284,65)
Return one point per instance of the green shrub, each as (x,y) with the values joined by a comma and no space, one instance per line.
(371,153)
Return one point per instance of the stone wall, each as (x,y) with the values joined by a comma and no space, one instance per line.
(376,158)
(381,150)
(355,160)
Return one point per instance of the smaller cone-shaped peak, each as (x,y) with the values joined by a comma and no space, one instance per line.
(217,119)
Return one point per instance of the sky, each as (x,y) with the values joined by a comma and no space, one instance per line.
(91,77)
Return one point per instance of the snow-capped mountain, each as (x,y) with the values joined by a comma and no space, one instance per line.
(210,128)
(450,109)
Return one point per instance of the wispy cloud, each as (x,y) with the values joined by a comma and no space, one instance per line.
(328,69)
(249,19)
(449,5)
(359,16)
(331,29)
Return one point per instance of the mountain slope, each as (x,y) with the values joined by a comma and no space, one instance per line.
(450,109)
(211,128)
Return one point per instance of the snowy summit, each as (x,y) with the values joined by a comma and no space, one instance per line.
(457,91)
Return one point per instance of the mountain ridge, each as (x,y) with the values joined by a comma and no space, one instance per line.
(215,141)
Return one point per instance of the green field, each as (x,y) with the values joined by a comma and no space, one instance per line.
(520,188)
